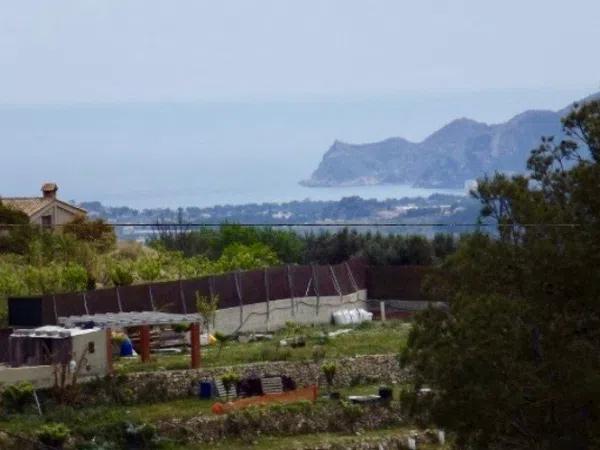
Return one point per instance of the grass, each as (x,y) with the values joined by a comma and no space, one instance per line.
(104,422)
(106,416)
(368,338)
(99,420)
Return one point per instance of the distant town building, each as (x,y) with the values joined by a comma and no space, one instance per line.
(470,186)
(47,210)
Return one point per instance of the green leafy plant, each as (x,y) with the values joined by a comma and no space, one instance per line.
(221,341)
(329,370)
(207,308)
(121,274)
(318,353)
(180,327)
(16,397)
(230,379)
(54,435)
(141,436)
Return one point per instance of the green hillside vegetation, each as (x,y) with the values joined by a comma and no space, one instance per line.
(85,255)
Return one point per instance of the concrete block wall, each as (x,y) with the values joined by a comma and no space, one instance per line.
(272,315)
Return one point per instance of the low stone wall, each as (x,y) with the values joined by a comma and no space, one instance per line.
(271,315)
(368,369)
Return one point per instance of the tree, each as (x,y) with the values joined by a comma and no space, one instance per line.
(245,257)
(97,232)
(515,360)
(207,308)
(15,230)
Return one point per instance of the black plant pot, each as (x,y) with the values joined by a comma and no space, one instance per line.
(335,396)
(386,393)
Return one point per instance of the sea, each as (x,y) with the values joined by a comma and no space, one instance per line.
(151,155)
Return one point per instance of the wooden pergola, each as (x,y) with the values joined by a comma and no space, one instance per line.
(143,321)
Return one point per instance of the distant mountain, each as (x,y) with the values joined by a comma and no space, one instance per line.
(460,151)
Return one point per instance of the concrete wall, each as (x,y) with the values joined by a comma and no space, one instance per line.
(94,364)
(267,316)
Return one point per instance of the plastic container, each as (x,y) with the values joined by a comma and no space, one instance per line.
(205,389)
(126,348)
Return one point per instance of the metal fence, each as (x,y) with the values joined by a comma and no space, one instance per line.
(233,289)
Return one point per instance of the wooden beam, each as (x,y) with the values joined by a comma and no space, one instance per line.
(195,344)
(109,355)
(145,343)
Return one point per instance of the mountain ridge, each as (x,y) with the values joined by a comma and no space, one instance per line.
(462,150)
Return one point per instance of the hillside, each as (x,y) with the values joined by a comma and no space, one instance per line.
(462,150)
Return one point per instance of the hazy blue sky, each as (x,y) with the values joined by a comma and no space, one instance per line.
(141,50)
(189,102)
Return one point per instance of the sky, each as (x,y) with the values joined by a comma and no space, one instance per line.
(196,102)
(107,51)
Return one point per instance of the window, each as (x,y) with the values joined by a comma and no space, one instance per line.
(47,221)
(91,347)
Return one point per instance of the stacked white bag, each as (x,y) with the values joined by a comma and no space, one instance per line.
(351,316)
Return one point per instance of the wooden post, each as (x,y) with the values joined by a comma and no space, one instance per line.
(109,355)
(145,343)
(195,343)
(382,310)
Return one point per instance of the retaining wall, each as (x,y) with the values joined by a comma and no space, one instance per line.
(273,314)
(367,369)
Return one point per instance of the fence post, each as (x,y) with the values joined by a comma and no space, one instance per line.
(336,284)
(85,305)
(54,307)
(118,294)
(268,295)
(238,287)
(195,344)
(291,287)
(109,355)
(151,297)
(382,310)
(316,283)
(145,343)
(182,297)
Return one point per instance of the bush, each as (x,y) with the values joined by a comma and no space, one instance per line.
(17,396)
(180,327)
(121,274)
(53,435)
(318,353)
(230,380)
(143,436)
(329,370)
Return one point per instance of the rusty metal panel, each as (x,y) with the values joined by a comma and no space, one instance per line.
(303,283)
(396,282)
(4,334)
(279,287)
(167,297)
(69,305)
(358,267)
(102,301)
(48,317)
(325,281)
(135,298)
(343,278)
(193,286)
(253,286)
(224,287)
